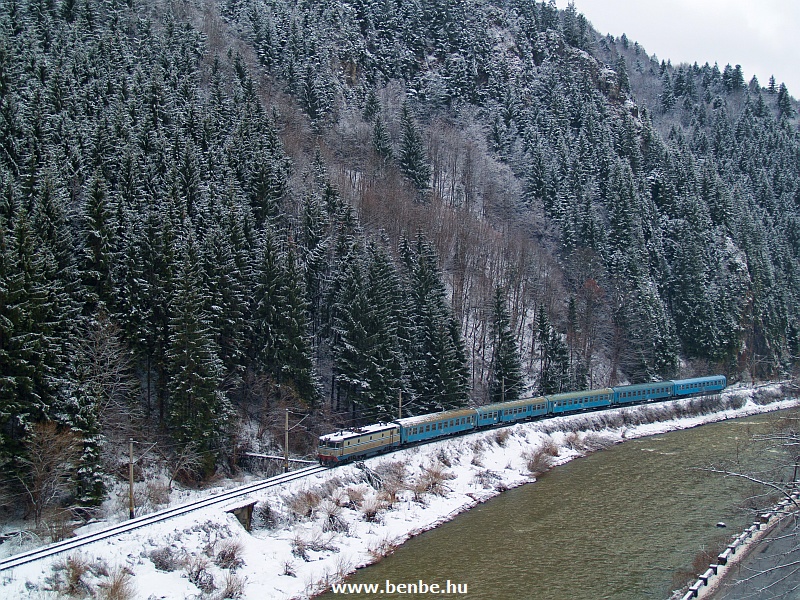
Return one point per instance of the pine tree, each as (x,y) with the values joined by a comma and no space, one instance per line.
(554,357)
(380,138)
(33,384)
(372,107)
(785,108)
(505,379)
(294,345)
(198,408)
(413,162)
(99,244)
(437,359)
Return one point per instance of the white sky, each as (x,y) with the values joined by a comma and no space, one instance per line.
(761,35)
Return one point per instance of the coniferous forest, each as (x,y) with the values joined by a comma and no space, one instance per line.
(211,212)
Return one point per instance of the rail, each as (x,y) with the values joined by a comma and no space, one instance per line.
(162,515)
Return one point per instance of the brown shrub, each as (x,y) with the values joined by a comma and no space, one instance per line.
(539,461)
(229,556)
(501,437)
(118,586)
(304,502)
(371,508)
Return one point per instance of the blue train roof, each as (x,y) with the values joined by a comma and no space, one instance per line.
(584,394)
(695,380)
(512,404)
(642,386)
(440,416)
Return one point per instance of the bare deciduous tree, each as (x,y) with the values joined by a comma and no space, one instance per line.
(51,454)
(107,378)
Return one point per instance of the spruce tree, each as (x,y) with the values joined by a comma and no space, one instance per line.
(553,356)
(413,162)
(34,382)
(380,138)
(353,339)
(294,355)
(280,343)
(198,408)
(785,108)
(372,107)
(505,379)
(437,359)
(99,245)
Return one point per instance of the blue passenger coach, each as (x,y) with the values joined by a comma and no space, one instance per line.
(699,385)
(577,401)
(643,392)
(428,427)
(511,412)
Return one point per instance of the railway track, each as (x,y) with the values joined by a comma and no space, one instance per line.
(162,515)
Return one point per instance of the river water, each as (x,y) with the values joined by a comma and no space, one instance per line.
(623,523)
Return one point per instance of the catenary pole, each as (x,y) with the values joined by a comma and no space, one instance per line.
(286,445)
(131,506)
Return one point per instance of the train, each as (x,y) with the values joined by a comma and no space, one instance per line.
(362,442)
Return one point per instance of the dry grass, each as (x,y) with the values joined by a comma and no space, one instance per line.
(539,461)
(431,481)
(229,555)
(682,578)
(119,586)
(551,448)
(371,508)
(501,437)
(443,456)
(68,576)
(60,524)
(289,568)
(380,549)
(332,519)
(486,479)
(340,497)
(266,517)
(394,477)
(300,548)
(232,587)
(355,496)
(197,571)
(303,503)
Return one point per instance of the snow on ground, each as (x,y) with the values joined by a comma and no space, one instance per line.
(315,531)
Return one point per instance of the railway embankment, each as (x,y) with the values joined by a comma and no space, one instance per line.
(313,532)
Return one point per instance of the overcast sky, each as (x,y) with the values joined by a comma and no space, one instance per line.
(761,35)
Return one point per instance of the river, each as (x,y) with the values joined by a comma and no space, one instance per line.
(623,523)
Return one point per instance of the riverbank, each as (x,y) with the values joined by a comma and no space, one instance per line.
(312,534)
(775,531)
